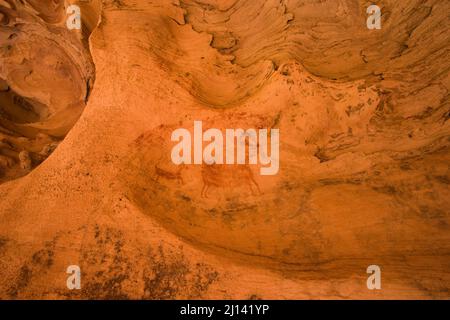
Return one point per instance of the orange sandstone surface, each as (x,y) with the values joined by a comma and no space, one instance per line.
(87,179)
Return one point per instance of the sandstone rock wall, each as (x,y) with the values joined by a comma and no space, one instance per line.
(364,149)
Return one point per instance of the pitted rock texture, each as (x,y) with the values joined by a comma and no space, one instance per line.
(364,151)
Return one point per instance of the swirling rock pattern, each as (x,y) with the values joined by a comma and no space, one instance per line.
(364,134)
(46,75)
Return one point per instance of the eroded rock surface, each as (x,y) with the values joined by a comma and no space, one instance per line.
(364,152)
(45,78)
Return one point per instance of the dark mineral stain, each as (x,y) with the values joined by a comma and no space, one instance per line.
(443,179)
(39,263)
(23,279)
(173,277)
(385,189)
(3,242)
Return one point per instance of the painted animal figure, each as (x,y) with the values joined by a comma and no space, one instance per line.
(162,173)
